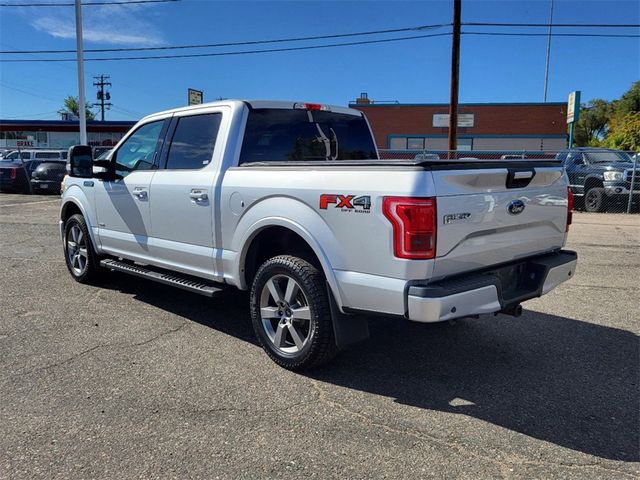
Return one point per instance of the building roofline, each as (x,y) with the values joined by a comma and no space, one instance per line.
(69,123)
(489,104)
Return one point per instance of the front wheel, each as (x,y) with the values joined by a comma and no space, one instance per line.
(290,313)
(80,257)
(594,200)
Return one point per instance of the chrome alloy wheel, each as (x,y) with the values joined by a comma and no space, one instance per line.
(285,313)
(77,250)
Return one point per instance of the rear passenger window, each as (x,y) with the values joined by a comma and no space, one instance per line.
(193,141)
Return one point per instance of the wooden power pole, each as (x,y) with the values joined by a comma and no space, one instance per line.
(455,67)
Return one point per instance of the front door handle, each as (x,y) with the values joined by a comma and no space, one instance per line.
(198,195)
(141,193)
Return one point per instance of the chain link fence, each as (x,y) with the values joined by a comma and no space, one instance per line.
(601,180)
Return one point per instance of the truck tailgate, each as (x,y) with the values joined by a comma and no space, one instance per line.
(488,216)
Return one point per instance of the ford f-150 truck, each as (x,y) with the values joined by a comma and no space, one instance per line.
(291,201)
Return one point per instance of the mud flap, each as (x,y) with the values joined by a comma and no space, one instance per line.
(348,329)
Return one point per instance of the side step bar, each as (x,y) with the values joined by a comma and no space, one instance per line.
(166,278)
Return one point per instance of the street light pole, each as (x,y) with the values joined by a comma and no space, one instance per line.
(80,56)
(546,66)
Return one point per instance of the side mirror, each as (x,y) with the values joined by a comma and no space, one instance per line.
(80,161)
(103,169)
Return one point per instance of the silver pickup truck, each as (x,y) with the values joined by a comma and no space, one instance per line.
(291,201)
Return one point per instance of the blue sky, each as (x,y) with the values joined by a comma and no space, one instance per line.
(493,69)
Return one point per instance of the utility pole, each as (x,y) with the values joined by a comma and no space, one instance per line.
(455,67)
(80,59)
(546,65)
(101,82)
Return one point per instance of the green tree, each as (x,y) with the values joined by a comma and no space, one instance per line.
(71,107)
(625,133)
(629,102)
(593,123)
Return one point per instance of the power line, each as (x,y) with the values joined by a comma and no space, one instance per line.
(325,37)
(561,25)
(233,44)
(320,37)
(33,94)
(524,34)
(221,54)
(312,47)
(88,4)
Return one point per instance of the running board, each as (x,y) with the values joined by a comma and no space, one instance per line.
(168,279)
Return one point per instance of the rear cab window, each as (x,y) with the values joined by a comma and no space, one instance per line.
(284,135)
(193,141)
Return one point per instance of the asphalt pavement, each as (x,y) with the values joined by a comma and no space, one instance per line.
(138,380)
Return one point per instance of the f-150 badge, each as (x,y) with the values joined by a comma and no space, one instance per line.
(452,217)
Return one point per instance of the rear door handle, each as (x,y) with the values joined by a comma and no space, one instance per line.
(198,195)
(141,193)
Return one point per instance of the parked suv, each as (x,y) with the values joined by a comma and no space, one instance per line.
(600,178)
(291,201)
(35,155)
(47,177)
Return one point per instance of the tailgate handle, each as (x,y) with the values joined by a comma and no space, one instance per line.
(520,177)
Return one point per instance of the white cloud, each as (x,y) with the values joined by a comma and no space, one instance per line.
(108,24)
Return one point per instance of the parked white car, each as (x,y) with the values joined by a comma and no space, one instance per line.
(31,155)
(291,201)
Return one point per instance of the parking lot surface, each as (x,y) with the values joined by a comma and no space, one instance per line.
(136,379)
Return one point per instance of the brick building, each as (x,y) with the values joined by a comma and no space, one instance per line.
(481,126)
(59,133)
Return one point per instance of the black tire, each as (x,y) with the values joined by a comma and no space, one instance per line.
(91,272)
(594,200)
(319,344)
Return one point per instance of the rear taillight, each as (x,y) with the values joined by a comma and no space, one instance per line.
(414,226)
(569,207)
(13,172)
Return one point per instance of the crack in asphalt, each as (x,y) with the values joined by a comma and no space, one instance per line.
(103,345)
(460,448)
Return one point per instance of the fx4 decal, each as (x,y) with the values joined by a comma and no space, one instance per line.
(346,203)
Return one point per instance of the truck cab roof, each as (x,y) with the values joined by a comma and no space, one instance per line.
(257,104)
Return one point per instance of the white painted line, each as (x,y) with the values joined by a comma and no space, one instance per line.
(29,203)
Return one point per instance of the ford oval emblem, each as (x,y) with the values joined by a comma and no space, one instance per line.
(515,207)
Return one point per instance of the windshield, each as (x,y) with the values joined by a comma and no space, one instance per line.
(608,157)
(279,135)
(104,155)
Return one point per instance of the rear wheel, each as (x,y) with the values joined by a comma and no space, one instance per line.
(594,200)
(81,259)
(290,313)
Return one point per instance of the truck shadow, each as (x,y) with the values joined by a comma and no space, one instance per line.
(556,379)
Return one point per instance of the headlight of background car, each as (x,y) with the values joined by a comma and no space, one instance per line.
(612,176)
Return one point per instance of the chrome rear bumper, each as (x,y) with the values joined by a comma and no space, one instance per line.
(494,290)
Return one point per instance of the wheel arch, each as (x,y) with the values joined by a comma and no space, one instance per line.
(72,204)
(591,182)
(282,236)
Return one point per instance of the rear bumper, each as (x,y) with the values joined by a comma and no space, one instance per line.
(49,185)
(494,290)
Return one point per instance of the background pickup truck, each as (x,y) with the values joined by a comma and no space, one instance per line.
(601,178)
(291,201)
